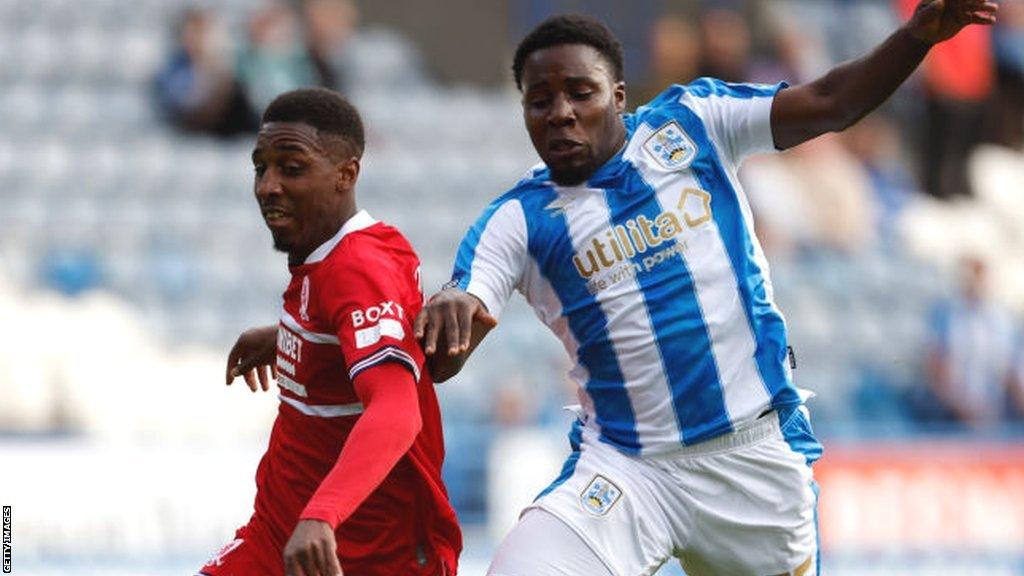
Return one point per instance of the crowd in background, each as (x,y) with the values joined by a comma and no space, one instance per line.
(897,246)
(209,84)
(842,195)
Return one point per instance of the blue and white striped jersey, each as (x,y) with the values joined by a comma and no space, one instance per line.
(650,273)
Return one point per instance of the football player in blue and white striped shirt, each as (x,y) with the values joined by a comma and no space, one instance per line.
(634,243)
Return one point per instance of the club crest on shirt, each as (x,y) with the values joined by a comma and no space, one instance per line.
(671,147)
(304,300)
(600,495)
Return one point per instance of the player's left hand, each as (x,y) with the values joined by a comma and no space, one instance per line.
(312,550)
(252,356)
(937,20)
(451,312)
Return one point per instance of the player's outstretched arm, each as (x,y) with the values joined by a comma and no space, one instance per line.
(450,327)
(252,356)
(851,90)
(384,432)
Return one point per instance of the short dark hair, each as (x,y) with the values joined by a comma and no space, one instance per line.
(569,29)
(326,110)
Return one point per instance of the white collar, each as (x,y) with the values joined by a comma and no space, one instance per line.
(358,221)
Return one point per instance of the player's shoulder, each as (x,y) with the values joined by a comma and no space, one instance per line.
(534,180)
(377,248)
(706,87)
(381,236)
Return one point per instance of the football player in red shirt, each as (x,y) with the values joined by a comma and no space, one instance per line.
(351,479)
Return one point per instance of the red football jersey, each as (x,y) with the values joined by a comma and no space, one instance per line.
(350,306)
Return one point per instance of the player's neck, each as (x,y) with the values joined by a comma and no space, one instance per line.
(616,146)
(298,257)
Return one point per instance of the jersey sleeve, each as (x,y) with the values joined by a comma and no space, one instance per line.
(369,309)
(737,117)
(492,255)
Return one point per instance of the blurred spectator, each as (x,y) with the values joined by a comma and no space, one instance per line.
(675,53)
(71,271)
(276,58)
(1008,43)
(1016,385)
(959,79)
(836,191)
(196,89)
(726,40)
(517,438)
(797,53)
(329,26)
(969,359)
(512,407)
(815,196)
(875,143)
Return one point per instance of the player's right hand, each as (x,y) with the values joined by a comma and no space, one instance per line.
(253,356)
(934,21)
(312,550)
(452,312)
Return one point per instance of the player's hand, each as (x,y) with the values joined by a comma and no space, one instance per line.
(937,20)
(312,550)
(450,313)
(252,356)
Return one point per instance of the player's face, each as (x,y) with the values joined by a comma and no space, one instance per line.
(302,192)
(572,107)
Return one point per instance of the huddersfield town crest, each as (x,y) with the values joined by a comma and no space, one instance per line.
(671,147)
(600,495)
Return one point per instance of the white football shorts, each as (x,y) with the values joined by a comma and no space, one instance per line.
(742,504)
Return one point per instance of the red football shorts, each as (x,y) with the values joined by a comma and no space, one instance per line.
(252,553)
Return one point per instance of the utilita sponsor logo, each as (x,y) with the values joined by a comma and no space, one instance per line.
(625,250)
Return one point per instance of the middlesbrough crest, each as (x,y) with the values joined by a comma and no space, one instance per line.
(304,300)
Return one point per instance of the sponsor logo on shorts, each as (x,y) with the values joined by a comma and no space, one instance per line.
(218,558)
(600,495)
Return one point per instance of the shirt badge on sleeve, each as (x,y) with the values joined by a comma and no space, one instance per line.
(671,147)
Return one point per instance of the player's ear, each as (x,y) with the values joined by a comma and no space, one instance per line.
(619,95)
(346,173)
